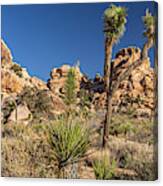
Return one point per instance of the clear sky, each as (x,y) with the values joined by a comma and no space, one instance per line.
(42,37)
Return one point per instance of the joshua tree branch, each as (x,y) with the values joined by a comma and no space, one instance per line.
(146,47)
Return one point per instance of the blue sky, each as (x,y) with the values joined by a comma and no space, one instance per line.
(42,37)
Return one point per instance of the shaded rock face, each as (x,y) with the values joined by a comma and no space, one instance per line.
(59,76)
(136,93)
(23,114)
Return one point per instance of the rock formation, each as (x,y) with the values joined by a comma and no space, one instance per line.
(135,94)
(22,114)
(14,80)
(59,76)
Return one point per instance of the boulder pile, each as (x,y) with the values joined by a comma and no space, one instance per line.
(134,95)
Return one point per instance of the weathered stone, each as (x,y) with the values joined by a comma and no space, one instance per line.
(137,91)
(38,83)
(23,114)
(59,77)
(6,56)
(10,82)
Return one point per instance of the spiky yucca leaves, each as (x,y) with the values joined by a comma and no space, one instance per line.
(70,88)
(103,169)
(114,22)
(70,142)
(150,31)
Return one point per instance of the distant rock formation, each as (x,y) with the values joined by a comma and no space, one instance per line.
(14,80)
(135,94)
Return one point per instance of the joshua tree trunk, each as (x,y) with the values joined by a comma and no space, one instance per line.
(107,86)
(146,48)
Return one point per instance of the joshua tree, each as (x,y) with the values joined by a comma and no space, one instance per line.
(114,27)
(149,33)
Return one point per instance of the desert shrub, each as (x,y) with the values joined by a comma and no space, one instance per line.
(17,69)
(103,169)
(85,99)
(70,88)
(39,102)
(84,103)
(8,106)
(135,157)
(140,130)
(122,128)
(70,142)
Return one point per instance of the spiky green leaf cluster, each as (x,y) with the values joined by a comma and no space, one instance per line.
(103,169)
(114,22)
(70,87)
(70,141)
(149,23)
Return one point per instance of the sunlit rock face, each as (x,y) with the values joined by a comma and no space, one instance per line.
(13,77)
(58,77)
(6,57)
(14,80)
(134,94)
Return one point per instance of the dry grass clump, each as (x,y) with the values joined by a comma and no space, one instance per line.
(104,169)
(26,151)
(134,156)
(39,150)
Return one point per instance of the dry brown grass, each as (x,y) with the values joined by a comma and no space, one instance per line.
(26,152)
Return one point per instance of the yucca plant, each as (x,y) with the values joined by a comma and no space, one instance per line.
(70,88)
(104,170)
(70,142)
(114,27)
(150,31)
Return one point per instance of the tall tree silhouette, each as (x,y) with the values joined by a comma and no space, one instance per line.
(114,27)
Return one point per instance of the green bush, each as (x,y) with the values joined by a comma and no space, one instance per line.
(103,169)
(17,69)
(70,142)
(124,128)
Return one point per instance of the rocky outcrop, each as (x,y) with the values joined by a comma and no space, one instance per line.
(20,114)
(6,56)
(38,83)
(14,77)
(14,80)
(136,93)
(59,76)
